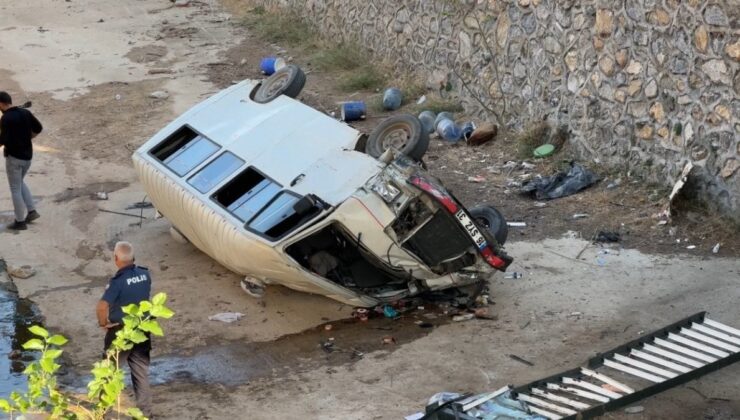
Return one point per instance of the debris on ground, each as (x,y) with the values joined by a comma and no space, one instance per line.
(614,184)
(463,317)
(580,216)
(392,99)
(427,119)
(665,214)
(477,179)
(520,360)
(389,312)
(513,275)
(159,94)
(561,184)
(691,247)
(516,224)
(353,111)
(102,195)
(448,130)
(22,272)
(361,314)
(606,236)
(484,133)
(140,205)
(544,151)
(467,129)
(634,410)
(227,317)
(715,248)
(389,340)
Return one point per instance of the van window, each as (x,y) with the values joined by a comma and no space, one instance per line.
(247,194)
(216,171)
(281,217)
(183,150)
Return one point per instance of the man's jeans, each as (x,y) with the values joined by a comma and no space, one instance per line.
(21,195)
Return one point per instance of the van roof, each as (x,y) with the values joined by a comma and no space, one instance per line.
(283,139)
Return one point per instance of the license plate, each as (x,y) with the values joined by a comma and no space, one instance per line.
(471,228)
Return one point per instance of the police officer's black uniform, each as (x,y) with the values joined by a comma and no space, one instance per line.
(131,284)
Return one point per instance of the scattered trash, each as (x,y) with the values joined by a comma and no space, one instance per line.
(715,249)
(118,97)
(528,166)
(392,99)
(122,213)
(562,184)
(482,313)
(691,247)
(270,65)
(580,215)
(484,133)
(427,119)
(425,325)
(516,224)
(182,3)
(227,317)
(389,312)
(328,346)
(467,130)
(544,151)
(604,236)
(477,179)
(540,204)
(102,195)
(634,410)
(328,327)
(159,94)
(575,314)
(353,111)
(614,184)
(389,340)
(160,71)
(356,354)
(361,314)
(22,272)
(448,130)
(140,205)
(520,360)
(463,317)
(421,100)
(513,275)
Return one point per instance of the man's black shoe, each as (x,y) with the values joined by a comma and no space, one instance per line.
(18,226)
(32,215)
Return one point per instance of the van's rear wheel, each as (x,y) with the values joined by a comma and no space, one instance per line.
(403,132)
(288,81)
(489,218)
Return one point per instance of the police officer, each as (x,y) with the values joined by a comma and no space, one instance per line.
(131,284)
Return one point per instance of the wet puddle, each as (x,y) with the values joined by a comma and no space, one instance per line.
(16,315)
(237,363)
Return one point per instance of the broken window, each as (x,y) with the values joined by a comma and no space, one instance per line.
(279,217)
(247,194)
(183,150)
(215,171)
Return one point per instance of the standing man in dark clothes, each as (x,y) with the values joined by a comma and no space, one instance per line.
(131,284)
(17,127)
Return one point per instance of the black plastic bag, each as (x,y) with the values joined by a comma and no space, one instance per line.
(562,184)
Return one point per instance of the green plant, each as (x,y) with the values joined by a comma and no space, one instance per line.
(286,28)
(345,56)
(104,390)
(365,78)
(439,105)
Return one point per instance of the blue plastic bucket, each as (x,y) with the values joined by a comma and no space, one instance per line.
(353,111)
(448,130)
(270,65)
(392,99)
(443,116)
(427,120)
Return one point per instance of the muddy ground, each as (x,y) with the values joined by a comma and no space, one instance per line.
(90,68)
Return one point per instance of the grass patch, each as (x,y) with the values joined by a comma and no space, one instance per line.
(344,57)
(364,78)
(531,138)
(285,28)
(437,105)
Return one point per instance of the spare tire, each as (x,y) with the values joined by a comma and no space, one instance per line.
(288,81)
(403,132)
(489,218)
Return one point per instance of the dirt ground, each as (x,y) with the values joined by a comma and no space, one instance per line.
(90,69)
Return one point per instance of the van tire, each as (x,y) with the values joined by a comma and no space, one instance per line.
(489,218)
(288,81)
(402,131)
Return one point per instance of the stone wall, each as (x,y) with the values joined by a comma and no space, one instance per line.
(642,84)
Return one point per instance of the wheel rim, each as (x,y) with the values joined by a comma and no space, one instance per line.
(396,135)
(278,84)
